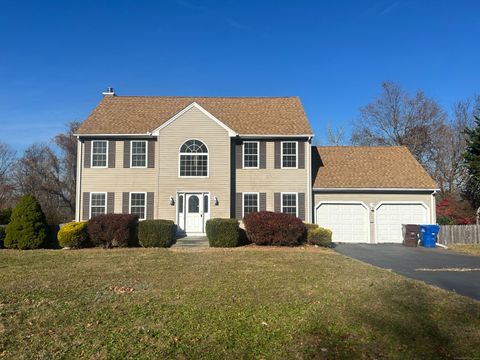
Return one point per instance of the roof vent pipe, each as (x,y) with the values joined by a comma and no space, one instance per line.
(109,92)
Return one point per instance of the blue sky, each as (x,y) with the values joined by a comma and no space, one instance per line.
(56,57)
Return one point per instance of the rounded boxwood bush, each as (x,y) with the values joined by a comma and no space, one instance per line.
(156,233)
(27,228)
(320,236)
(278,229)
(74,235)
(223,232)
(113,230)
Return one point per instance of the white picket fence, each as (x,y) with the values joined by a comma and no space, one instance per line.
(459,234)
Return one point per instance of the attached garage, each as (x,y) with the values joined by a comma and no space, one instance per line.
(389,218)
(347,220)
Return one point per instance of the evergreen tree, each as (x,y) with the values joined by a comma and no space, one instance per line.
(472,162)
(28,227)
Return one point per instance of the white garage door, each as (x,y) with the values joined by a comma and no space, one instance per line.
(348,222)
(390,217)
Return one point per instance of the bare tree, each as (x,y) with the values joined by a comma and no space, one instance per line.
(397,118)
(447,154)
(7,162)
(335,136)
(50,175)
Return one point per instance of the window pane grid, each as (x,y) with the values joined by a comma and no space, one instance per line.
(289,157)
(97,205)
(137,205)
(193,159)
(99,153)
(139,153)
(289,204)
(250,155)
(250,203)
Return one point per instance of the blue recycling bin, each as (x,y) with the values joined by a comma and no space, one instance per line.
(428,235)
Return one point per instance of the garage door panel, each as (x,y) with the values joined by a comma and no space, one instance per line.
(391,217)
(348,222)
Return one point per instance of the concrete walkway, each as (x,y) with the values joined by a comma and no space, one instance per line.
(443,268)
(192,242)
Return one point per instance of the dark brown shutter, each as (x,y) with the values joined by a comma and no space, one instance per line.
(301,155)
(125,202)
(151,153)
(301,206)
(86,206)
(87,154)
(239,206)
(278,154)
(277,202)
(239,156)
(110,203)
(111,153)
(263,202)
(263,154)
(150,202)
(126,154)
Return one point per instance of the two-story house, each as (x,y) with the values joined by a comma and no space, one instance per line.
(188,159)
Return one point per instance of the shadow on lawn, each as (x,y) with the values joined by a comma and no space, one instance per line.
(398,322)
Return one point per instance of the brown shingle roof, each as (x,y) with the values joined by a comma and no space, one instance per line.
(388,167)
(244,115)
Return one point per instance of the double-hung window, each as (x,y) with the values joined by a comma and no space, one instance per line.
(250,154)
(289,203)
(139,154)
(289,154)
(99,153)
(193,159)
(98,204)
(250,203)
(138,205)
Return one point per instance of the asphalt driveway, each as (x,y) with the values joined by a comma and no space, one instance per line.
(408,262)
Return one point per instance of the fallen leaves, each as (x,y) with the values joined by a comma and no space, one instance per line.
(121,289)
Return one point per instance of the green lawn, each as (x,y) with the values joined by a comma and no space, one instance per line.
(243,303)
(472,249)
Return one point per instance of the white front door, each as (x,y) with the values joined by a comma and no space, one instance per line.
(194,213)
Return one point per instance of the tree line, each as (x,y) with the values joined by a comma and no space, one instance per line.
(447,144)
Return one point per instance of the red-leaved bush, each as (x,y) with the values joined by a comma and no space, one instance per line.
(278,229)
(113,230)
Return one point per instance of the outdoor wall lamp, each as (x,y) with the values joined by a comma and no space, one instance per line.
(171,201)
(215,200)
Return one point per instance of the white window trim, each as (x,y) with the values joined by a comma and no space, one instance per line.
(296,155)
(258,155)
(106,155)
(146,154)
(90,203)
(243,201)
(296,201)
(182,153)
(130,203)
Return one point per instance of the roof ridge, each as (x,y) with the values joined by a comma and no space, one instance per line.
(204,97)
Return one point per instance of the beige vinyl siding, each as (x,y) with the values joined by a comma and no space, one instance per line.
(118,179)
(193,124)
(373,199)
(271,180)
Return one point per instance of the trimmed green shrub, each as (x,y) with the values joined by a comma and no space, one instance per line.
(2,235)
(310,226)
(223,232)
(113,230)
(27,228)
(320,236)
(156,233)
(445,220)
(74,235)
(5,215)
(278,229)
